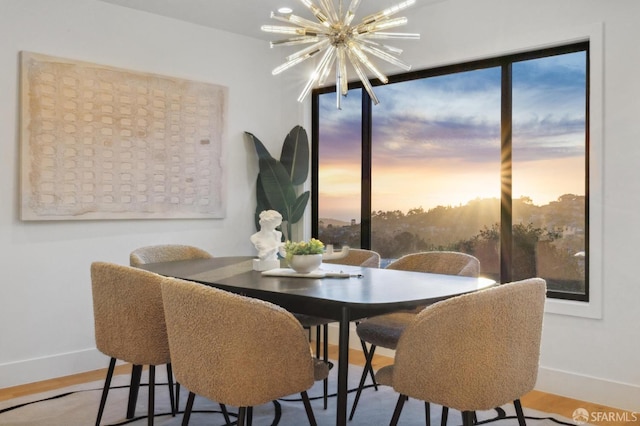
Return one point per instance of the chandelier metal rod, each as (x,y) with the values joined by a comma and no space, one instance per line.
(341,42)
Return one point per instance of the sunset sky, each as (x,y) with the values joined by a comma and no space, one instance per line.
(436,141)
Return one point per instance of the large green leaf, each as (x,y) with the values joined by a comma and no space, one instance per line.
(262,201)
(295,155)
(277,186)
(261,195)
(276,179)
(256,217)
(298,207)
(261,151)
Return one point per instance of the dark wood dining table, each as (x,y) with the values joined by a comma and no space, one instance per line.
(366,292)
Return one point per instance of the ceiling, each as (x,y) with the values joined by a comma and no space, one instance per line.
(245,17)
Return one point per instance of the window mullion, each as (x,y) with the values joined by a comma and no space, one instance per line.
(506,177)
(315,162)
(365,189)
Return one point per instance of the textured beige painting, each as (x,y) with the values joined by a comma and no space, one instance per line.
(99,142)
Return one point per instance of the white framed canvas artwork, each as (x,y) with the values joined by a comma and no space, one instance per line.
(99,142)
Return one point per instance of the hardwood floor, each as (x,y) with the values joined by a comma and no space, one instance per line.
(60,382)
(536,400)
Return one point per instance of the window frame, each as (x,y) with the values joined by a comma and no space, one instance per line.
(504,62)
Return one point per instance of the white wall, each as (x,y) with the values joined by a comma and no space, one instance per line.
(46,316)
(45,309)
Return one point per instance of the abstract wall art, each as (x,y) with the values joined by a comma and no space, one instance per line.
(99,142)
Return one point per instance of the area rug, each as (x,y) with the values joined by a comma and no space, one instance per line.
(78,405)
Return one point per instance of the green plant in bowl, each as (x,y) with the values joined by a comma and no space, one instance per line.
(313,246)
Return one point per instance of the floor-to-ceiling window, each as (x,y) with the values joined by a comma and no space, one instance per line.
(339,170)
(435,152)
(488,157)
(549,158)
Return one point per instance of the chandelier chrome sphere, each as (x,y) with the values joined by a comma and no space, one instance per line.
(334,35)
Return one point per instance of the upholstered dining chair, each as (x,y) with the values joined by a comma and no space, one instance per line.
(472,352)
(164,253)
(385,330)
(130,326)
(439,262)
(358,257)
(236,350)
(355,257)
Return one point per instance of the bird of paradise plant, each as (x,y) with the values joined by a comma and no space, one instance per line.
(277,179)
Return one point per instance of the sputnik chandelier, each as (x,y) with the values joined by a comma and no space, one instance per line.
(334,35)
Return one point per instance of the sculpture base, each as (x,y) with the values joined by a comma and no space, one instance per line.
(265,265)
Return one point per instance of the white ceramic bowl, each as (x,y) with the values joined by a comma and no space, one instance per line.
(305,263)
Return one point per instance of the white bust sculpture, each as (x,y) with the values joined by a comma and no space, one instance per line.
(267,240)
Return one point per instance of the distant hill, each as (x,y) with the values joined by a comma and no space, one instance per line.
(333,222)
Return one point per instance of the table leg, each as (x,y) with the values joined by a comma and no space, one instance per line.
(343,367)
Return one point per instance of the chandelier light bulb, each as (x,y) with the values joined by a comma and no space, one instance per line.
(340,41)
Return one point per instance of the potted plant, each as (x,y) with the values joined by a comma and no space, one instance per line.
(278,179)
(304,257)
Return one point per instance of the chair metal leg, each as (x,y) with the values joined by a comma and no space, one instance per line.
(325,348)
(249,416)
(363,377)
(241,416)
(318,327)
(445,414)
(369,367)
(398,410)
(308,409)
(188,408)
(467,418)
(152,394)
(171,396)
(520,413)
(427,413)
(136,372)
(325,356)
(225,413)
(325,393)
(177,397)
(105,390)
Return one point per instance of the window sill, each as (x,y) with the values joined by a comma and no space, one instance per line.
(591,309)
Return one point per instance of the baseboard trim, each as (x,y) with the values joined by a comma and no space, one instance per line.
(613,394)
(624,396)
(50,367)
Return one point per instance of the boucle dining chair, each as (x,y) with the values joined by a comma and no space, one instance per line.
(385,330)
(130,326)
(236,350)
(472,352)
(166,253)
(358,257)
(163,253)
(355,257)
